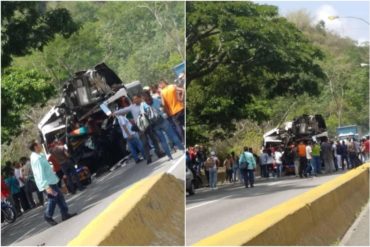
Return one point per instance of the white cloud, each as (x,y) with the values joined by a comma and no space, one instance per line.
(344,27)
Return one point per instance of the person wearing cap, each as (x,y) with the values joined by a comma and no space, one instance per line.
(212,164)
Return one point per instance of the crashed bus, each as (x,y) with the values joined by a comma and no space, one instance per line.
(93,139)
(302,128)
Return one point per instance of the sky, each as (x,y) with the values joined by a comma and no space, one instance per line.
(320,10)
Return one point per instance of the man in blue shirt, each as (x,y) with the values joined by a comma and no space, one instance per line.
(247,165)
(47,181)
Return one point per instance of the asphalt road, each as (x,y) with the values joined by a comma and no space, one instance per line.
(208,212)
(358,233)
(31,229)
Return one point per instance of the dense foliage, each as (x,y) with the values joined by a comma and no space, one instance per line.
(138,40)
(21,90)
(240,56)
(29,25)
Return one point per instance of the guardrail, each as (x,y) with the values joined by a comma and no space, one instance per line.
(320,216)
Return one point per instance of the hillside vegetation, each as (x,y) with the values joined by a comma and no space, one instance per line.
(282,69)
(138,40)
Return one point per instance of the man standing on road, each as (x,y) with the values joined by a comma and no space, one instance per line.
(146,136)
(263,163)
(296,158)
(345,155)
(339,153)
(61,155)
(172,100)
(13,185)
(30,184)
(132,138)
(310,168)
(367,148)
(316,160)
(47,181)
(327,155)
(353,155)
(228,169)
(235,166)
(21,181)
(278,159)
(213,164)
(160,124)
(247,166)
(302,159)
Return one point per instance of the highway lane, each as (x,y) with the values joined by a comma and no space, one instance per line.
(208,212)
(31,229)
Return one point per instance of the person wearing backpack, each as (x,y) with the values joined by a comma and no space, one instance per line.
(247,165)
(151,108)
(141,126)
(213,164)
(132,138)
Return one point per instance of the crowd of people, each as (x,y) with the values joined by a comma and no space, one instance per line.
(303,159)
(153,119)
(308,158)
(237,168)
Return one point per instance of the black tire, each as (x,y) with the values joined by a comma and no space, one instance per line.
(9,214)
(192,188)
(198,182)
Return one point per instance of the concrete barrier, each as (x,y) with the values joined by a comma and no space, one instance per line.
(320,216)
(151,212)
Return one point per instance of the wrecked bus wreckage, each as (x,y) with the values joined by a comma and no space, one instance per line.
(93,138)
(302,128)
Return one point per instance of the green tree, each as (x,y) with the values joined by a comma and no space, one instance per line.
(28,25)
(240,55)
(127,36)
(20,90)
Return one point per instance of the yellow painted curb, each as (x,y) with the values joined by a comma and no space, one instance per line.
(151,212)
(317,217)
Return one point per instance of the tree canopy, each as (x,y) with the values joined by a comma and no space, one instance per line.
(240,55)
(28,25)
(20,90)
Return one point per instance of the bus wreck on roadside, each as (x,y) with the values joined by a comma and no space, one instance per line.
(93,139)
(305,127)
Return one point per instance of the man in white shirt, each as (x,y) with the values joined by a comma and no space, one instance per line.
(18,174)
(310,169)
(132,138)
(279,163)
(144,136)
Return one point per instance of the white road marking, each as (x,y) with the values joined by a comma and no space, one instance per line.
(274,183)
(206,203)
